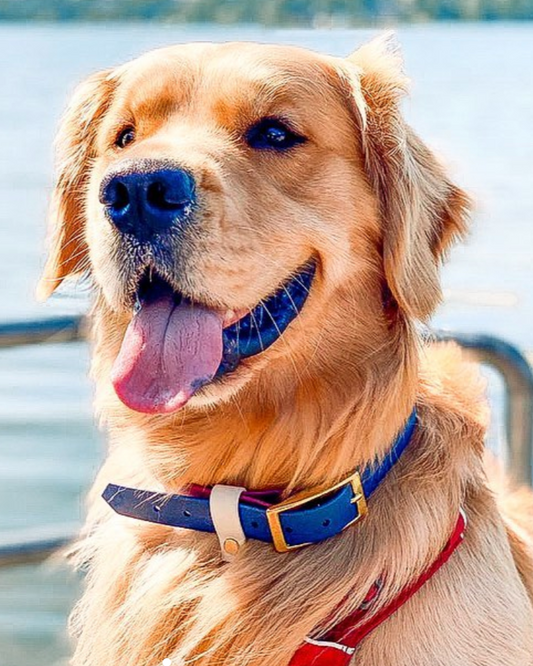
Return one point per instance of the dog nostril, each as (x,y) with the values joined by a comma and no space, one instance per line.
(116,196)
(159,196)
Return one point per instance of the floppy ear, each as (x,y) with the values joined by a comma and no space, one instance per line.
(75,150)
(422,211)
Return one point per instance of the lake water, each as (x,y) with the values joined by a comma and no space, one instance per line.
(472,100)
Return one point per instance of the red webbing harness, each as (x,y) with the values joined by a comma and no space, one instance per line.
(337,647)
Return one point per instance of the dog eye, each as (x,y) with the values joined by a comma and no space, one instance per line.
(272,134)
(125,137)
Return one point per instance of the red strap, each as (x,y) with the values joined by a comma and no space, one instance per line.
(262,498)
(337,647)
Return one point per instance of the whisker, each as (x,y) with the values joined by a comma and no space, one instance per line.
(285,342)
(293,304)
(258,329)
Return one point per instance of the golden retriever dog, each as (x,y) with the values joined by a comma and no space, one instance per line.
(264,233)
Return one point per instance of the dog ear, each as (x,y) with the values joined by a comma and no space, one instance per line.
(422,211)
(75,148)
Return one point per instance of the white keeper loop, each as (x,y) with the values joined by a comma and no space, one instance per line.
(224,509)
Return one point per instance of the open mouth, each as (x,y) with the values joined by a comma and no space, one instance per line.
(173,346)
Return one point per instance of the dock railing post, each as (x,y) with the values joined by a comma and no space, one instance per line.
(517,375)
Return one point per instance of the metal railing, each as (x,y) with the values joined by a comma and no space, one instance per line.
(517,375)
(41,331)
(35,546)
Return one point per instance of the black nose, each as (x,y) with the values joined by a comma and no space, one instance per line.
(148,201)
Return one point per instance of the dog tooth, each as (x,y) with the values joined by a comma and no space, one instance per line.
(230,316)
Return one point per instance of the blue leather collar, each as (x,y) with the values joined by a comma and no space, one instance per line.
(291,524)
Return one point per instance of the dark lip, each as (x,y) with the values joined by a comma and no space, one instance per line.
(257,330)
(264,324)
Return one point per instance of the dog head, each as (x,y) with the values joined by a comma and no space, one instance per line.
(244,207)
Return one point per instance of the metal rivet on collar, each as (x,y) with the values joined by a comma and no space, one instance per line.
(231,546)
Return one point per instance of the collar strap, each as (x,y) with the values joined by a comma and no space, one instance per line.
(301,520)
(337,647)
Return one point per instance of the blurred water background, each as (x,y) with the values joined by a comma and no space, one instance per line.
(472,100)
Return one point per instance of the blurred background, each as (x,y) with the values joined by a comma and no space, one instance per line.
(472,100)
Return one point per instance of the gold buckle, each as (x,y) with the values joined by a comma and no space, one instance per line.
(305,497)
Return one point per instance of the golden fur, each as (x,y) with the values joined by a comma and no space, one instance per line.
(370,201)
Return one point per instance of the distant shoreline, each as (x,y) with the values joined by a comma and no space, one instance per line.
(271,13)
(268,13)
(291,25)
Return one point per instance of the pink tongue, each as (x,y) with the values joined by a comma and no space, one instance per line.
(169,352)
